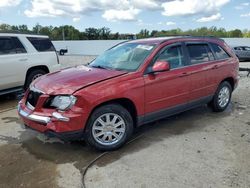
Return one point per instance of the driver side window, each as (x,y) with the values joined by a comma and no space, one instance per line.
(173,55)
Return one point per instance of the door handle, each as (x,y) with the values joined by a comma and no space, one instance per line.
(215,67)
(184,74)
(24,59)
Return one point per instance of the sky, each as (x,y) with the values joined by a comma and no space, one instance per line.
(128,16)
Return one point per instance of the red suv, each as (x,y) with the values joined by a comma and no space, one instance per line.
(131,84)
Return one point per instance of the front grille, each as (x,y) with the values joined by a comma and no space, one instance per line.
(33,97)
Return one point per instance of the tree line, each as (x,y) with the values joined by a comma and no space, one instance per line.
(68,32)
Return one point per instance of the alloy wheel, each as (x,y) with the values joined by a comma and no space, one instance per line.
(224,96)
(108,129)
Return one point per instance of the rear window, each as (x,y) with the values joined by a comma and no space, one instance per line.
(41,44)
(199,53)
(219,52)
(11,45)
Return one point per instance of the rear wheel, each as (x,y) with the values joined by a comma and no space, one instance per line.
(109,127)
(222,97)
(32,76)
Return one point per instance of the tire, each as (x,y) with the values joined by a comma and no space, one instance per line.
(105,137)
(32,76)
(223,93)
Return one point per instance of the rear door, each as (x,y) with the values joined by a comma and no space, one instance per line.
(200,65)
(13,59)
(167,92)
(45,49)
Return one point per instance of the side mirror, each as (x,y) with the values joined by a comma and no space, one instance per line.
(63,51)
(160,66)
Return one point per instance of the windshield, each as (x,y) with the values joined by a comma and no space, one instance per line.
(127,56)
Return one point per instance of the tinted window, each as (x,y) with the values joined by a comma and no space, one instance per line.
(199,53)
(219,52)
(11,45)
(41,44)
(18,45)
(238,48)
(173,55)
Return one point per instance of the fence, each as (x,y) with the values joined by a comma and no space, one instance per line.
(96,47)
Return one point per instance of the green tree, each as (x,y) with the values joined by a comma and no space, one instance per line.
(153,33)
(23,28)
(114,36)
(246,33)
(235,33)
(47,30)
(104,33)
(70,32)
(92,33)
(144,33)
(14,28)
(56,34)
(36,29)
(5,27)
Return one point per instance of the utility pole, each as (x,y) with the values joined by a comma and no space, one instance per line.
(63,34)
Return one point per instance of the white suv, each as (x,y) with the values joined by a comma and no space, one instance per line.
(23,58)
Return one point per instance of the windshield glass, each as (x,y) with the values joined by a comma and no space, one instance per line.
(127,56)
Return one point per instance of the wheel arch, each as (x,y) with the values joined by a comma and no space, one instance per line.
(128,104)
(230,80)
(39,67)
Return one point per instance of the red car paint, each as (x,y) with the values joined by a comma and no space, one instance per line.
(93,87)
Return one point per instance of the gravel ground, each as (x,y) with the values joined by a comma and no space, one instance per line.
(194,149)
(198,148)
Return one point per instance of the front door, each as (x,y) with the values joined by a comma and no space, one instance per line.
(167,92)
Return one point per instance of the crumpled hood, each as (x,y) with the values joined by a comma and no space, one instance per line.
(67,81)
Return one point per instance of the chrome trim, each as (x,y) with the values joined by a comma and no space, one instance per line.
(41,119)
(33,117)
(32,88)
(30,106)
(59,116)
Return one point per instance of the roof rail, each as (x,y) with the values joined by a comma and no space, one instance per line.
(190,36)
(20,32)
(211,37)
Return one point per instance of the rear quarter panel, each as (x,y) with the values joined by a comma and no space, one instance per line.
(228,68)
(35,58)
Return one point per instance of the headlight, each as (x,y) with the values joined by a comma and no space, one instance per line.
(63,102)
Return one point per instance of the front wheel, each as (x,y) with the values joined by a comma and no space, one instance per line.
(109,127)
(222,97)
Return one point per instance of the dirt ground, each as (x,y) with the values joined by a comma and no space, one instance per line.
(195,149)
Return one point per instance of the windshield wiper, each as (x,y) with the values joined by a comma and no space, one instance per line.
(99,66)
